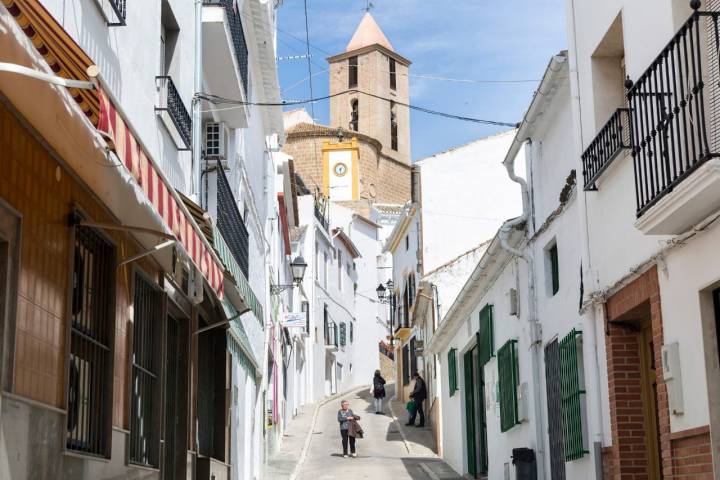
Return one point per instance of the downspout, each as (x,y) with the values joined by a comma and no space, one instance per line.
(593,315)
(196,104)
(535,332)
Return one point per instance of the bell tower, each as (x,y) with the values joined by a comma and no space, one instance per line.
(378,78)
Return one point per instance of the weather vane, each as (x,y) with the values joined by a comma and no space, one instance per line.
(369,6)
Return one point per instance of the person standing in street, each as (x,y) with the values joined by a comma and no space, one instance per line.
(345,416)
(378,392)
(418,395)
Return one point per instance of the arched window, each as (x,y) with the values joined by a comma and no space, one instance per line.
(354,115)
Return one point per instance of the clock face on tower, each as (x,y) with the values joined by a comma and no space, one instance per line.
(340,169)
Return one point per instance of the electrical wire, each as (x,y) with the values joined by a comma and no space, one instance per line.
(216,100)
(307,44)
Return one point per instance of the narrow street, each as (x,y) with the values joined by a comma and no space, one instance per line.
(385,452)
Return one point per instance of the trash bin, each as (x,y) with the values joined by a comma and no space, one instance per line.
(524,461)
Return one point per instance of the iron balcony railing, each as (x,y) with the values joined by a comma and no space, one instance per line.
(321,217)
(612,138)
(120,9)
(171,103)
(668,112)
(231,224)
(238,36)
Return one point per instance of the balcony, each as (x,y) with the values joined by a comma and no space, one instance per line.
(231,224)
(677,170)
(114,11)
(225,59)
(173,113)
(612,139)
(403,329)
(320,215)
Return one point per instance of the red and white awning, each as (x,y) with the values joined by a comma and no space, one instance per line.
(161,195)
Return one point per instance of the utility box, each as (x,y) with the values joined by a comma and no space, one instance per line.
(673,377)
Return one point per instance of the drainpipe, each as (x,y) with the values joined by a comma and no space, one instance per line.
(196,104)
(535,331)
(593,315)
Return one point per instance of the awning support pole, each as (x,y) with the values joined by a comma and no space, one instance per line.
(220,324)
(127,228)
(156,248)
(45,77)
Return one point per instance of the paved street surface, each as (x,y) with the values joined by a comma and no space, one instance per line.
(385,452)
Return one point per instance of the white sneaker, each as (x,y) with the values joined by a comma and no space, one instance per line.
(345,456)
(354,455)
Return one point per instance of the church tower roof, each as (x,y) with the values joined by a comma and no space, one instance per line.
(368,33)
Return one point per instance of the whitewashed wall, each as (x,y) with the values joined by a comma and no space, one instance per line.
(482,197)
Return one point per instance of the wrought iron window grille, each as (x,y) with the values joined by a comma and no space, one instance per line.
(119,7)
(231,224)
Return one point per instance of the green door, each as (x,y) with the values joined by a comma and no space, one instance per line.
(470,413)
(480,414)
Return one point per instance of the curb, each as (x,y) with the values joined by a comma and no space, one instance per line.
(308,438)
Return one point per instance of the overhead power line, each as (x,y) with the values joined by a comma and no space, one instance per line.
(216,100)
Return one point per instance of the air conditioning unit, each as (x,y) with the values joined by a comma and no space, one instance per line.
(215,143)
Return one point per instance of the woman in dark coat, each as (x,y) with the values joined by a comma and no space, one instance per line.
(378,391)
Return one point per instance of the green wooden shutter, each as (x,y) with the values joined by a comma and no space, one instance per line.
(452,371)
(508,380)
(342,334)
(572,389)
(486,342)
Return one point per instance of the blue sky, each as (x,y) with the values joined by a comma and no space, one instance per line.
(460,39)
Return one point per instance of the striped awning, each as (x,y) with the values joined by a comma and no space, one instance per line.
(163,197)
(234,270)
(66,59)
(238,342)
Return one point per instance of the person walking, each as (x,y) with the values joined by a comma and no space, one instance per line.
(345,416)
(378,392)
(418,395)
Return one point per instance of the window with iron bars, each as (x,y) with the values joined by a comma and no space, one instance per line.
(146,388)
(406,365)
(90,375)
(393,75)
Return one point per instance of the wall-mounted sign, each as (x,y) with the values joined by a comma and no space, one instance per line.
(291,319)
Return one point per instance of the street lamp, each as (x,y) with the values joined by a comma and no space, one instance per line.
(297,268)
(386,296)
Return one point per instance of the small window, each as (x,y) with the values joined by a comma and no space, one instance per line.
(317,262)
(552,267)
(326,262)
(393,127)
(508,381)
(305,307)
(354,115)
(353,72)
(92,326)
(407,242)
(393,79)
(452,371)
(352,332)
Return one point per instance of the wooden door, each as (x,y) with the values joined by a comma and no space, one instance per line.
(649,392)
(469,387)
